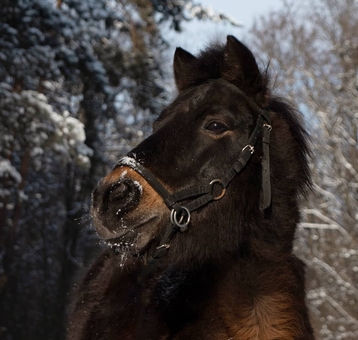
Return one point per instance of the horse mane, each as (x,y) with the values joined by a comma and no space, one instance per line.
(300,137)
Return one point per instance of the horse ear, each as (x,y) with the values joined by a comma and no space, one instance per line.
(240,68)
(183,69)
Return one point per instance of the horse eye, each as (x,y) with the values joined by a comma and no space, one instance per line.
(216,127)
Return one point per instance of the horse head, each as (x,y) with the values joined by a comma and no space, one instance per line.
(197,142)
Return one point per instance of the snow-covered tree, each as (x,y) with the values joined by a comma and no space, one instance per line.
(313,52)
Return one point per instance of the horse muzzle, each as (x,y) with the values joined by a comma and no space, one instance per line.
(122,203)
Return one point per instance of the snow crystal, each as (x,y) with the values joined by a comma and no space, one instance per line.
(22,196)
(123,174)
(36,151)
(4,193)
(10,206)
(139,186)
(7,170)
(83,160)
(201,12)
(128,161)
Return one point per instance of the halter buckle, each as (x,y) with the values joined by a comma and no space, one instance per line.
(223,189)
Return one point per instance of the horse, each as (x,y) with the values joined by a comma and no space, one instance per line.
(200,217)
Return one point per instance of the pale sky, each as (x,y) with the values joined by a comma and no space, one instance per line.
(198,34)
(243,10)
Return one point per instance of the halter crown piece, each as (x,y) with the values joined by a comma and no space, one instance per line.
(180,214)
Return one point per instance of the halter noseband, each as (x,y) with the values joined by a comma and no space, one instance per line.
(180,214)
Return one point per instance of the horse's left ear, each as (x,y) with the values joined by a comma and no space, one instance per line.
(240,68)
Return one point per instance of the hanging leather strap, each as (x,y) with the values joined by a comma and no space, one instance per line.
(266,182)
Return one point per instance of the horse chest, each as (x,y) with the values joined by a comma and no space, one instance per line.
(264,319)
(183,309)
(176,307)
(180,305)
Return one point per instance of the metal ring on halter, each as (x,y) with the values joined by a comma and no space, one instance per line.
(252,149)
(165,246)
(223,192)
(268,126)
(185,217)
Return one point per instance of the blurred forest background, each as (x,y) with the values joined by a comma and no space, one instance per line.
(81,82)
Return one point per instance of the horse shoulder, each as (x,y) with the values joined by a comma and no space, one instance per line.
(268,306)
(268,318)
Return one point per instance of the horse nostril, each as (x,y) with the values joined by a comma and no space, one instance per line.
(123,196)
(117,198)
(118,191)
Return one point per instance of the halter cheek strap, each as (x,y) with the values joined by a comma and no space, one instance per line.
(180,214)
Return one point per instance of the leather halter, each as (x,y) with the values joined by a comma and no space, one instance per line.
(180,214)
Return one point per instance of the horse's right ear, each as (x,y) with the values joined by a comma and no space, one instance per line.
(183,69)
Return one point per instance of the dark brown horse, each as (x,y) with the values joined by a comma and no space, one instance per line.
(200,217)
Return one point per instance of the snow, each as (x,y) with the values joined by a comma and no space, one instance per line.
(123,174)
(200,12)
(42,127)
(4,193)
(128,161)
(8,171)
(139,186)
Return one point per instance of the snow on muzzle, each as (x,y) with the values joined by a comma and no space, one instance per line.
(123,199)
